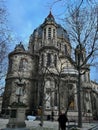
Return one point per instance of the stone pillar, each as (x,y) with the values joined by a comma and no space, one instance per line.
(17,117)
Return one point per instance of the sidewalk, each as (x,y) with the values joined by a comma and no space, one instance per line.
(88,126)
(47,124)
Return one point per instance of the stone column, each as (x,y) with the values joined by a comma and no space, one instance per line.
(17,117)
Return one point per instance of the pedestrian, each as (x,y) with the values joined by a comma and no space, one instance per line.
(62,121)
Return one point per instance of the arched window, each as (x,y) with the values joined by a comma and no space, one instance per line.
(48,59)
(71,97)
(85,77)
(55,95)
(53,33)
(42,60)
(65,49)
(23,64)
(49,33)
(55,60)
(45,33)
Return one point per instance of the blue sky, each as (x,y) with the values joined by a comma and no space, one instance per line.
(25,15)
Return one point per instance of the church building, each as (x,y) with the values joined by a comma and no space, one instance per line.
(45,75)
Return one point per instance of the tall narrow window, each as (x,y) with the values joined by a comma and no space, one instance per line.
(48,59)
(55,95)
(88,77)
(71,100)
(53,33)
(42,60)
(23,65)
(85,77)
(45,33)
(49,33)
(55,60)
(55,99)
(65,47)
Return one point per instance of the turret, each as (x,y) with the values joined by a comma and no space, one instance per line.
(22,68)
(80,54)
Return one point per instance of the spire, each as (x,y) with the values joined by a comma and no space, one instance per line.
(50,18)
(19,47)
(50,15)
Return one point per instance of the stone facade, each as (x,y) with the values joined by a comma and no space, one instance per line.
(47,73)
(0,104)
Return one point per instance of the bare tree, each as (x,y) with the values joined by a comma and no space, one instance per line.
(58,76)
(4,38)
(70,3)
(83,31)
(44,73)
(42,77)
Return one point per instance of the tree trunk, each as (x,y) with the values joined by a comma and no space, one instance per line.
(79,100)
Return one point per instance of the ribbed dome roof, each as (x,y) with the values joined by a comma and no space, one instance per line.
(61,32)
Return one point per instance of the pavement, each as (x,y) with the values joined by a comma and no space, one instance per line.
(47,124)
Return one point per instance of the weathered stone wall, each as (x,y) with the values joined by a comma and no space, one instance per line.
(22,68)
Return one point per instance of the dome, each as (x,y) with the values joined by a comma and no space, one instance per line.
(49,20)
(61,32)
